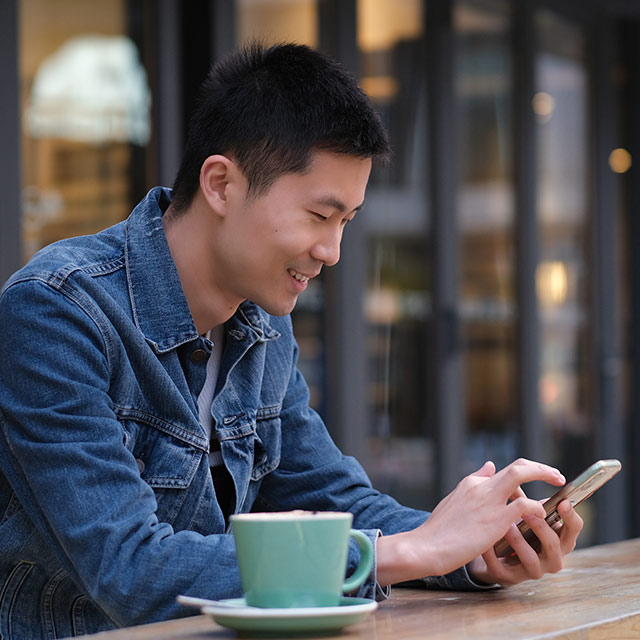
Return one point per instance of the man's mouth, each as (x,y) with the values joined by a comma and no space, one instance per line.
(298,276)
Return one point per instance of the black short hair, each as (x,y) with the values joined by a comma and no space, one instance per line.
(269,109)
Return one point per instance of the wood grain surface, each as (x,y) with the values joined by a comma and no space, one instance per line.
(596,597)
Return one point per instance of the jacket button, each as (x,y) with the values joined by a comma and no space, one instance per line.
(198,355)
(140,465)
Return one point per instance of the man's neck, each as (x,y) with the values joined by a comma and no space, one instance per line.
(187,238)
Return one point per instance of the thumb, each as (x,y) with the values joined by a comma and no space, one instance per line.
(487,470)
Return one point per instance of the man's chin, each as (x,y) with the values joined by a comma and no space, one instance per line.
(278,309)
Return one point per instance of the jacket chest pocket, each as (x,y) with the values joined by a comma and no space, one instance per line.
(166,463)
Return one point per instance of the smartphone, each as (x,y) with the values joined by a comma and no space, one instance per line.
(575,491)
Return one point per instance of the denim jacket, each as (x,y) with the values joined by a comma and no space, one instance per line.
(107,506)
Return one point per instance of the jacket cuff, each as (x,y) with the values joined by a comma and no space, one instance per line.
(370,588)
(458,580)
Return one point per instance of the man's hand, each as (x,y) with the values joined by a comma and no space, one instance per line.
(464,526)
(527,564)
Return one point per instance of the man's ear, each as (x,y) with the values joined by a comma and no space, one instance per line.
(215,175)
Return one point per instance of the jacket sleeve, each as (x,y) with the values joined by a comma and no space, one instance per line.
(314,474)
(62,451)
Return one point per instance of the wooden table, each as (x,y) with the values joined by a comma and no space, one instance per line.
(596,596)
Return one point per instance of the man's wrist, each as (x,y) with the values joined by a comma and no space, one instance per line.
(399,559)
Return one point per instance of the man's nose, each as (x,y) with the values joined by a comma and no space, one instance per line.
(327,249)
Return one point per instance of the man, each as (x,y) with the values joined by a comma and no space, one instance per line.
(149,389)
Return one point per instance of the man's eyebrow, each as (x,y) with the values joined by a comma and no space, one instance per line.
(334,203)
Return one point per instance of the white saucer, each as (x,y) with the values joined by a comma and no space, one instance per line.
(236,614)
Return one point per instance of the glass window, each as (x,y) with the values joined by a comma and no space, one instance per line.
(397,298)
(563,274)
(277,21)
(486,223)
(85,105)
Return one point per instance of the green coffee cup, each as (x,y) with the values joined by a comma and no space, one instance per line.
(298,558)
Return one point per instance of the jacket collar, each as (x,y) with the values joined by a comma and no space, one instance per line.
(160,308)
(251,321)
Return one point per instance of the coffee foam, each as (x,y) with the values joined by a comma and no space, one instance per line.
(296,514)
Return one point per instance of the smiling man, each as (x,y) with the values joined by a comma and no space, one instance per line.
(149,385)
(231,246)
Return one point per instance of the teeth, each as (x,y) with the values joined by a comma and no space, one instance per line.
(298,276)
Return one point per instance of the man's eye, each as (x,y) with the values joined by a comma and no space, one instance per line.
(319,216)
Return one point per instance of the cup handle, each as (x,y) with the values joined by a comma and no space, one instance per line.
(364,566)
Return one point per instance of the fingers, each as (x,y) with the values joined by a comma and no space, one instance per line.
(518,545)
(504,571)
(523,506)
(518,493)
(550,555)
(571,528)
(487,470)
(527,563)
(521,471)
(552,545)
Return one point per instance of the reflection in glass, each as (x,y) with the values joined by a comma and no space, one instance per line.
(563,272)
(486,221)
(397,301)
(92,89)
(85,101)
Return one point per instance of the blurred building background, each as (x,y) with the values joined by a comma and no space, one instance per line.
(487,304)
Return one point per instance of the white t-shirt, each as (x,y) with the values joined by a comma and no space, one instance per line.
(216,336)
